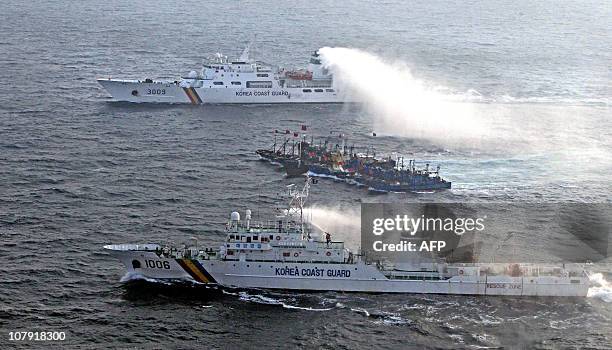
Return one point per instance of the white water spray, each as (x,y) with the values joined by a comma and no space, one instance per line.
(400,104)
(603,290)
(343,224)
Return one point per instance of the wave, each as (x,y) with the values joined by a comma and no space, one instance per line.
(383,317)
(266,300)
(133,276)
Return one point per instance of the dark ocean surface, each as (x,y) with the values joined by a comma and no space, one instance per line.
(78,172)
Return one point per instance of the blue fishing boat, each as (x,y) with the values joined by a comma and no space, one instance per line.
(332,157)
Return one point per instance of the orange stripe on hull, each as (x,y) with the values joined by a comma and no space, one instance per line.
(192,270)
(193,96)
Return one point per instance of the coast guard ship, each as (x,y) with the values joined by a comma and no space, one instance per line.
(284,254)
(242,80)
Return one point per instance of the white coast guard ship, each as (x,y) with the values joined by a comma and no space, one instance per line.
(282,254)
(238,81)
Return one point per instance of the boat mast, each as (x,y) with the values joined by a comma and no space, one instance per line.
(298,199)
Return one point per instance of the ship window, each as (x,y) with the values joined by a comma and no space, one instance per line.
(306,90)
(218,82)
(271,237)
(329,90)
(262,75)
(259,84)
(136,264)
(286,254)
(236,83)
(318,90)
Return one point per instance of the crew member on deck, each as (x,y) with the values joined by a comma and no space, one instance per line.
(327,238)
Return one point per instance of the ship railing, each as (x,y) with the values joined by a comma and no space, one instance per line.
(526,270)
(271,227)
(133,247)
(330,245)
(318,261)
(291,244)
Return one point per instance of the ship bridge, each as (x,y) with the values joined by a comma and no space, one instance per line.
(288,238)
(280,240)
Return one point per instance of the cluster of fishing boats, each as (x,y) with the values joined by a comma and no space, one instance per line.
(332,157)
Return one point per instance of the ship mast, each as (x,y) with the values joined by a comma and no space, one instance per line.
(298,199)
